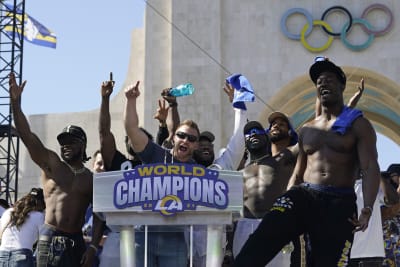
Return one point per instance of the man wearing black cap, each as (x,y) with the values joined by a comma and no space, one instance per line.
(266,176)
(321,199)
(204,154)
(68,190)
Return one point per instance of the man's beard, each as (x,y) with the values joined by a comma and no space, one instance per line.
(73,158)
(279,137)
(203,161)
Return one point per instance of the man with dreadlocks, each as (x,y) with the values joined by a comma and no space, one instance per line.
(68,191)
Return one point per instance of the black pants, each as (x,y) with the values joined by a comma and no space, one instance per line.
(58,249)
(322,213)
(366,262)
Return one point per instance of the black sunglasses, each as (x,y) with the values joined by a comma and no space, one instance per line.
(254,131)
(182,135)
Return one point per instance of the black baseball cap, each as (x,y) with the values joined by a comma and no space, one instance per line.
(394,168)
(251,125)
(75,131)
(207,135)
(323,64)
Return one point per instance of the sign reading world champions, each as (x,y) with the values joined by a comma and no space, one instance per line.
(170,188)
(362,21)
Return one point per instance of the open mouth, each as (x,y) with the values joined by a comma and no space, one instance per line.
(325,92)
(206,153)
(183,148)
(254,140)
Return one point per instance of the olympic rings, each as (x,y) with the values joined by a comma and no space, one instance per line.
(291,12)
(387,12)
(362,21)
(362,46)
(316,49)
(342,9)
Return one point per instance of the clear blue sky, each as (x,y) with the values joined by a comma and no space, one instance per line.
(93,38)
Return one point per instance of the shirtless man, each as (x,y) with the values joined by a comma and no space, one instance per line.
(321,200)
(274,171)
(68,189)
(266,176)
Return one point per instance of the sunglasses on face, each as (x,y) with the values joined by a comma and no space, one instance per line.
(189,137)
(254,131)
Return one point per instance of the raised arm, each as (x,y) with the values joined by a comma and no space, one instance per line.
(368,158)
(107,140)
(43,157)
(137,137)
(233,153)
(356,97)
(301,164)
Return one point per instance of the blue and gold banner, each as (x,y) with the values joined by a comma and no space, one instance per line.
(34,31)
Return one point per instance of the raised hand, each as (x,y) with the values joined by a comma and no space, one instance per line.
(229,90)
(165,94)
(107,87)
(132,91)
(356,97)
(162,111)
(15,89)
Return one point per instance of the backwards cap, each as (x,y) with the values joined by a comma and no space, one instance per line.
(322,64)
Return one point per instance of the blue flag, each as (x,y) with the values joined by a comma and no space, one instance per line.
(34,31)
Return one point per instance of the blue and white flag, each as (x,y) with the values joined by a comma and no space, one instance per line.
(243,90)
(34,31)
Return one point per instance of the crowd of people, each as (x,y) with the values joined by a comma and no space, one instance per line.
(315,197)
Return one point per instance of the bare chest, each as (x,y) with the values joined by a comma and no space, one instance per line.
(321,138)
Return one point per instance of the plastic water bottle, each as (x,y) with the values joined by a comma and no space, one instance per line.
(182,90)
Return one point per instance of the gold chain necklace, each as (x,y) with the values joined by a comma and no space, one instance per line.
(256,161)
(77,171)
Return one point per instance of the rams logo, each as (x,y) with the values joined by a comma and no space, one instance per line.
(168,205)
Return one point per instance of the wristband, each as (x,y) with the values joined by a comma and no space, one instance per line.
(94,247)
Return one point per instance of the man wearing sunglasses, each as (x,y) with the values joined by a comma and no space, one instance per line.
(321,200)
(266,175)
(167,246)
